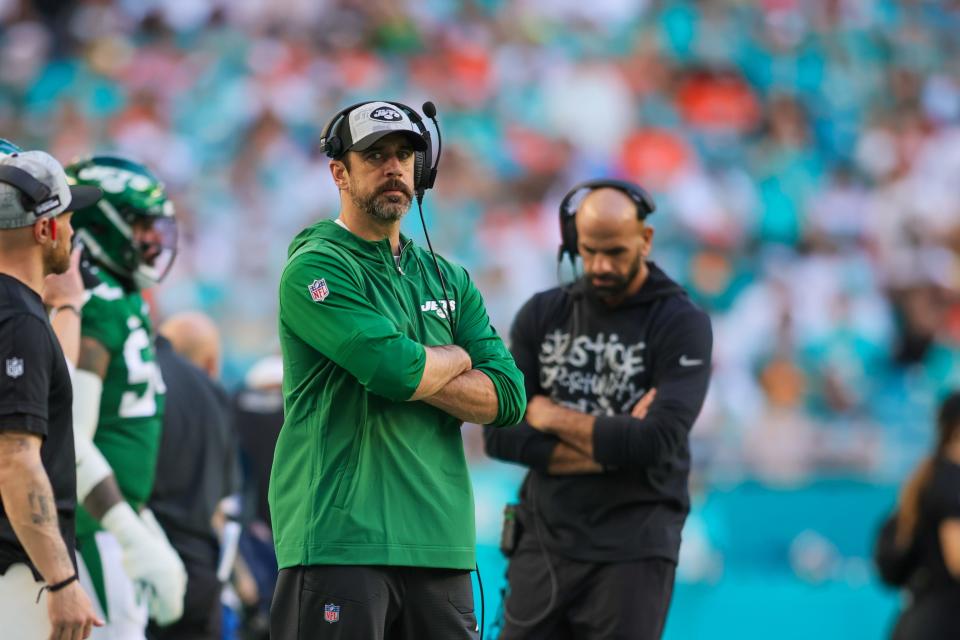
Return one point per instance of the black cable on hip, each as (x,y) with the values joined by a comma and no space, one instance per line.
(550,571)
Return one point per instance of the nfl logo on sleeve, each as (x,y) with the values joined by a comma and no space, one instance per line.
(331,613)
(14,367)
(318,290)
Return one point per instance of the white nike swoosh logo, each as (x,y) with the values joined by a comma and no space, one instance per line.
(689,362)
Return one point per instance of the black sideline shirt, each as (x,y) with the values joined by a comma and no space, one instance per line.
(36,396)
(196,463)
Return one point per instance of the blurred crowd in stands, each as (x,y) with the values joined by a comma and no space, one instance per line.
(805,158)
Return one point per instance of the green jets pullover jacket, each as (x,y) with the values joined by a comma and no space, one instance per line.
(360,474)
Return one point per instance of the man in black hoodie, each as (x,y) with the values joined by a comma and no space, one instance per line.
(616,367)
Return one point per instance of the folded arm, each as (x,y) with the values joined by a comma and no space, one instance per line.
(470,397)
(682,375)
(539,451)
(575,431)
(570,426)
(491,391)
(522,444)
(443,365)
(566,460)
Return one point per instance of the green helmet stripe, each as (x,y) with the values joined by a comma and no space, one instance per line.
(114,216)
(97,251)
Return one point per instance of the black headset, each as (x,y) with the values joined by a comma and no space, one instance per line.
(568,210)
(332,144)
(34,195)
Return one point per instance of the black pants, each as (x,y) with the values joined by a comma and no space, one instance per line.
(932,616)
(372,603)
(594,601)
(201,609)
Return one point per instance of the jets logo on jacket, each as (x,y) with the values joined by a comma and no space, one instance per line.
(439,307)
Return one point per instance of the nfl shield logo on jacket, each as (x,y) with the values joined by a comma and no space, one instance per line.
(14,367)
(331,612)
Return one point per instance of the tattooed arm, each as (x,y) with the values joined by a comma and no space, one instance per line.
(29,505)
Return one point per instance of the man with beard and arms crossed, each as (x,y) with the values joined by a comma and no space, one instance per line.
(616,368)
(126,561)
(371,499)
(37,477)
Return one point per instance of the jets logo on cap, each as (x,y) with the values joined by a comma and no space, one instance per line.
(386,114)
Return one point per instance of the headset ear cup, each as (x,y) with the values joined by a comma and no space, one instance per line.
(569,233)
(333,147)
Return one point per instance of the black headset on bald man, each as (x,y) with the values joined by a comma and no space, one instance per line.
(332,143)
(568,210)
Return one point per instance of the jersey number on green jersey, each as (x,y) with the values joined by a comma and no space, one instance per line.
(140,371)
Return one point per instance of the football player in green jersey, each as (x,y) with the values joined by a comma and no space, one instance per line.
(127,561)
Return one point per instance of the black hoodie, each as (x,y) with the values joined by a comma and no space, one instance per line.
(599,360)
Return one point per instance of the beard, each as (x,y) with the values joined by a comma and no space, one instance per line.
(56,259)
(613,285)
(382,207)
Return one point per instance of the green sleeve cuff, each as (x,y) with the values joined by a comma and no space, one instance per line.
(511,400)
(394,372)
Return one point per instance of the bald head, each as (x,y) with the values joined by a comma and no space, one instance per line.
(195,337)
(608,212)
(613,243)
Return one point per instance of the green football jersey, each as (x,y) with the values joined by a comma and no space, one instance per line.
(131,407)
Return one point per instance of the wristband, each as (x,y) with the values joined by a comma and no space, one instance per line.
(52,588)
(63,307)
(72,307)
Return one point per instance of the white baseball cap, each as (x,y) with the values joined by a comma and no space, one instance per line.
(371,121)
(33,185)
(266,372)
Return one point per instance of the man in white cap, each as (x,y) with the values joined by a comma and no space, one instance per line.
(37,463)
